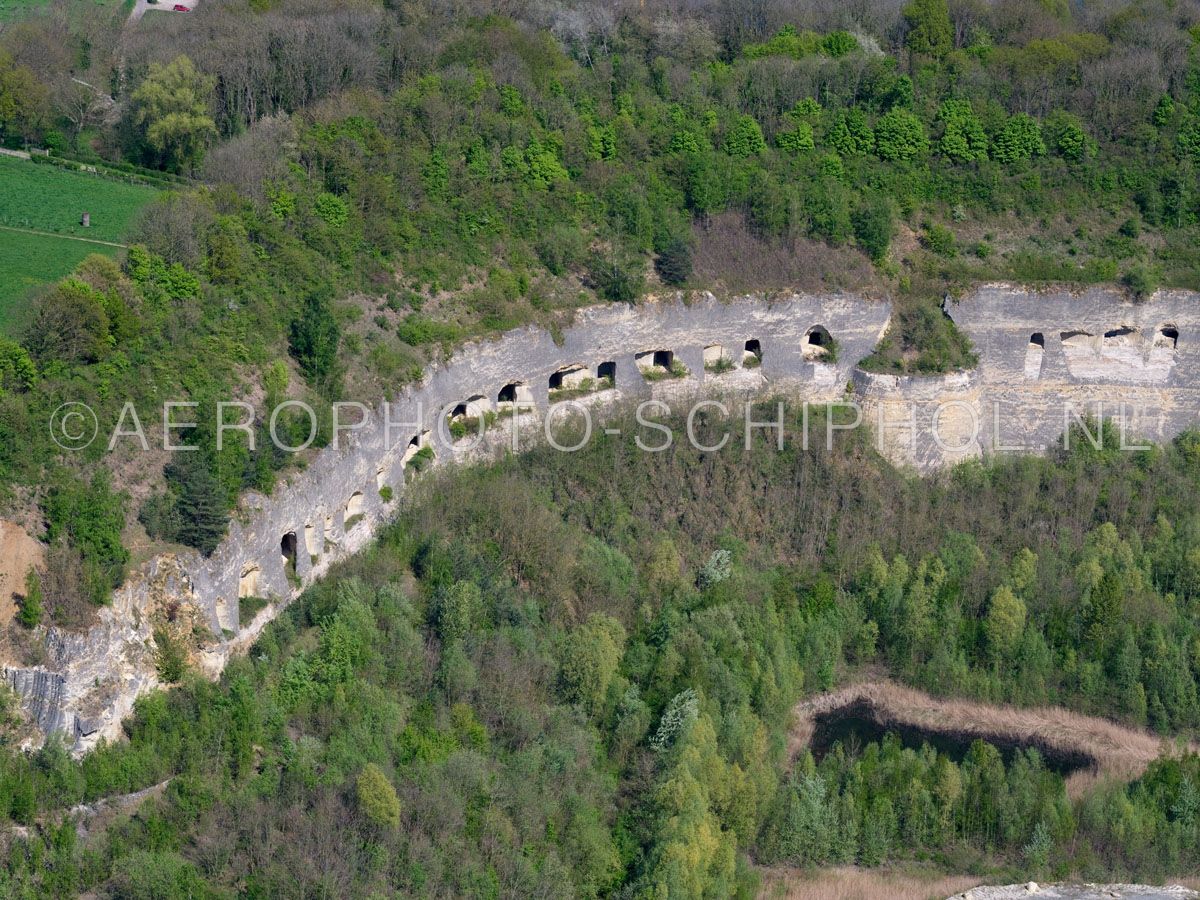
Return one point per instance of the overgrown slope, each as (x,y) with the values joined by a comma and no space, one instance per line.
(572,673)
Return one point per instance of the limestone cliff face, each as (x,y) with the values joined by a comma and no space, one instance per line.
(1047,357)
(278,544)
(1044,357)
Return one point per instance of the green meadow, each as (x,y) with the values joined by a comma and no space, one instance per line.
(40,211)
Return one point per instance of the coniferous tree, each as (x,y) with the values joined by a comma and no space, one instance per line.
(199,500)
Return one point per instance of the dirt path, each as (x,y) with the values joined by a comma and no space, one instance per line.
(65,237)
(1117,751)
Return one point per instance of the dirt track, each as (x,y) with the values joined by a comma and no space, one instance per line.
(1117,751)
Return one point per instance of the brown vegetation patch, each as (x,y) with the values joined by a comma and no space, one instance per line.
(729,255)
(1104,748)
(850,883)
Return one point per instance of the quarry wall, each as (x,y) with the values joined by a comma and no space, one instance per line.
(1095,347)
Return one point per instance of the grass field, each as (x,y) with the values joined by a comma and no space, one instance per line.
(29,260)
(50,199)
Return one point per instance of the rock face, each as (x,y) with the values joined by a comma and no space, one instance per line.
(1078,892)
(1042,355)
(1045,358)
(278,544)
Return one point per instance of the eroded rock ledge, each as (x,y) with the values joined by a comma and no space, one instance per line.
(1037,351)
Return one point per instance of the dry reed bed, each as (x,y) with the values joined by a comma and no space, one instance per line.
(850,883)
(1118,752)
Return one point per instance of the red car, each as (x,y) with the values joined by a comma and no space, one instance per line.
(179,7)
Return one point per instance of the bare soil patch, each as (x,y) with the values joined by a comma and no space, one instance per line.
(18,554)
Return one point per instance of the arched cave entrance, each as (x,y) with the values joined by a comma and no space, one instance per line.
(752,353)
(287,549)
(569,378)
(1035,353)
(817,343)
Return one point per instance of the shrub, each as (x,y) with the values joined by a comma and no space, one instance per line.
(839,43)
(377,799)
(615,281)
(1019,139)
(313,340)
(170,657)
(874,226)
(30,613)
(940,240)
(1141,279)
(963,138)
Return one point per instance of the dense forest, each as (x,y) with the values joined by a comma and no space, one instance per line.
(551,677)
(354,190)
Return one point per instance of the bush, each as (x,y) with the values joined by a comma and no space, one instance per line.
(874,225)
(170,658)
(30,613)
(313,341)
(89,517)
(614,281)
(1019,139)
(1142,280)
(940,240)
(745,138)
(377,799)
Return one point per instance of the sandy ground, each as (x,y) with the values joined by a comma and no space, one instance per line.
(1119,751)
(18,553)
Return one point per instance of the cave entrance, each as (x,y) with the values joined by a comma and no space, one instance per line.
(752,353)
(817,343)
(716,359)
(655,361)
(514,395)
(1120,337)
(287,549)
(1168,336)
(354,510)
(1034,354)
(569,378)
(606,374)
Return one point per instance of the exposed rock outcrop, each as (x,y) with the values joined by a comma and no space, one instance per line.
(1042,355)
(1078,892)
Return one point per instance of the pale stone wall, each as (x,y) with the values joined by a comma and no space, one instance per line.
(1025,403)
(1042,355)
(334,506)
